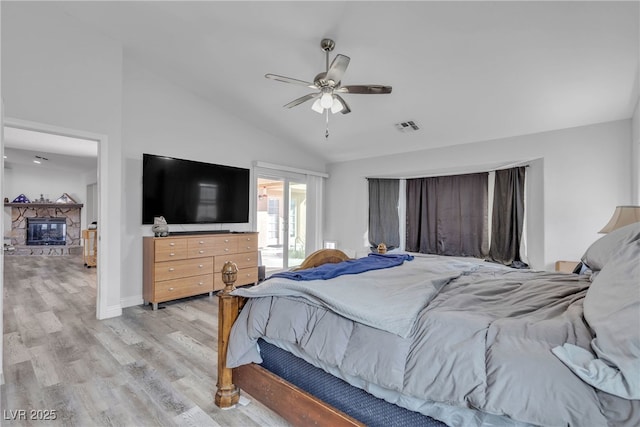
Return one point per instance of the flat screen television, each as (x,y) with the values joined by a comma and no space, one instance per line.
(190,192)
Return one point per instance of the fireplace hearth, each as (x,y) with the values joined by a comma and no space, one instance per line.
(46,231)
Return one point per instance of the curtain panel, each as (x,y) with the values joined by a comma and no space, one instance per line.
(383,212)
(447,215)
(508,217)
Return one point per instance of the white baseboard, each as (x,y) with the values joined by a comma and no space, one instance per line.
(111,311)
(131,301)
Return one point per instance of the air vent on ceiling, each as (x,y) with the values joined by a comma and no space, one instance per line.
(408,126)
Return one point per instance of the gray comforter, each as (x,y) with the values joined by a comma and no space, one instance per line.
(464,342)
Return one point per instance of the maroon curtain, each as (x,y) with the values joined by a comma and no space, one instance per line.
(447,215)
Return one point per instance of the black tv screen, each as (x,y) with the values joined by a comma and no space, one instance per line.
(190,192)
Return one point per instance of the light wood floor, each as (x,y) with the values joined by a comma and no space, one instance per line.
(145,368)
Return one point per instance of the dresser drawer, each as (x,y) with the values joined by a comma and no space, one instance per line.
(170,249)
(246,276)
(247,242)
(243,260)
(209,246)
(183,268)
(180,288)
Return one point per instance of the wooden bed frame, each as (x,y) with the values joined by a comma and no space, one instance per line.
(290,402)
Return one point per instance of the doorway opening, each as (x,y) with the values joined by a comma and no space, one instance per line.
(101,176)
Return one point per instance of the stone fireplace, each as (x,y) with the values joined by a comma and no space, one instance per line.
(45,228)
(46,231)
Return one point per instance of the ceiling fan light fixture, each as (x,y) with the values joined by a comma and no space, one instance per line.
(328,84)
(337,106)
(317,107)
(326,100)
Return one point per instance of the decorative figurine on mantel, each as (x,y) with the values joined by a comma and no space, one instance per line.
(21,199)
(160,227)
(65,198)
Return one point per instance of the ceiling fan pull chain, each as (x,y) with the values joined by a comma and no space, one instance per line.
(326,132)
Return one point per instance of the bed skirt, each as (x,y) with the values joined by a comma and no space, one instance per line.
(353,401)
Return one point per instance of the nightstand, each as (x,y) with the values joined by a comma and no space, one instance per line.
(566,266)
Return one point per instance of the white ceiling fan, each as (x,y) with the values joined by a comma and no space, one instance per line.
(328,86)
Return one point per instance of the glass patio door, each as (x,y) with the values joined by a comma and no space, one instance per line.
(281,220)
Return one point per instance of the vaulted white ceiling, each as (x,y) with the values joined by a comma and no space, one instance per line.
(463,71)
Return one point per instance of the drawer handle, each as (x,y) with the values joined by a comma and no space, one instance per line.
(171,289)
(248,274)
(172,254)
(200,266)
(200,283)
(172,244)
(249,259)
(248,247)
(201,242)
(200,251)
(226,240)
(171,269)
(226,249)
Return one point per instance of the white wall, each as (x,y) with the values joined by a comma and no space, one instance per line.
(635,155)
(59,72)
(581,175)
(161,118)
(32,181)
(1,252)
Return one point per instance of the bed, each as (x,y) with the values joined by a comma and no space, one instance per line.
(459,341)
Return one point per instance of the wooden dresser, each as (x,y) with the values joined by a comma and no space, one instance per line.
(185,265)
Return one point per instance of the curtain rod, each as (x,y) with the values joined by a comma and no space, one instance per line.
(524,163)
(289,169)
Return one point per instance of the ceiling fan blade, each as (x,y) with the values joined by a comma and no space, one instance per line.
(302,99)
(345,106)
(290,80)
(338,68)
(365,89)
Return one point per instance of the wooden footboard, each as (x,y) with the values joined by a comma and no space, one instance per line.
(290,402)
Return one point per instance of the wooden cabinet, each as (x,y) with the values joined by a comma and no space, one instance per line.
(566,266)
(186,265)
(90,248)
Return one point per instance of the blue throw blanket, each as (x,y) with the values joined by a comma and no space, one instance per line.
(351,266)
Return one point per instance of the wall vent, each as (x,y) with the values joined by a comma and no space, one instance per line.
(408,126)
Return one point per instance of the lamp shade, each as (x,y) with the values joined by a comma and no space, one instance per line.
(623,215)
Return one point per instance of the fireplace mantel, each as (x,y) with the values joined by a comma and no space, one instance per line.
(44,205)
